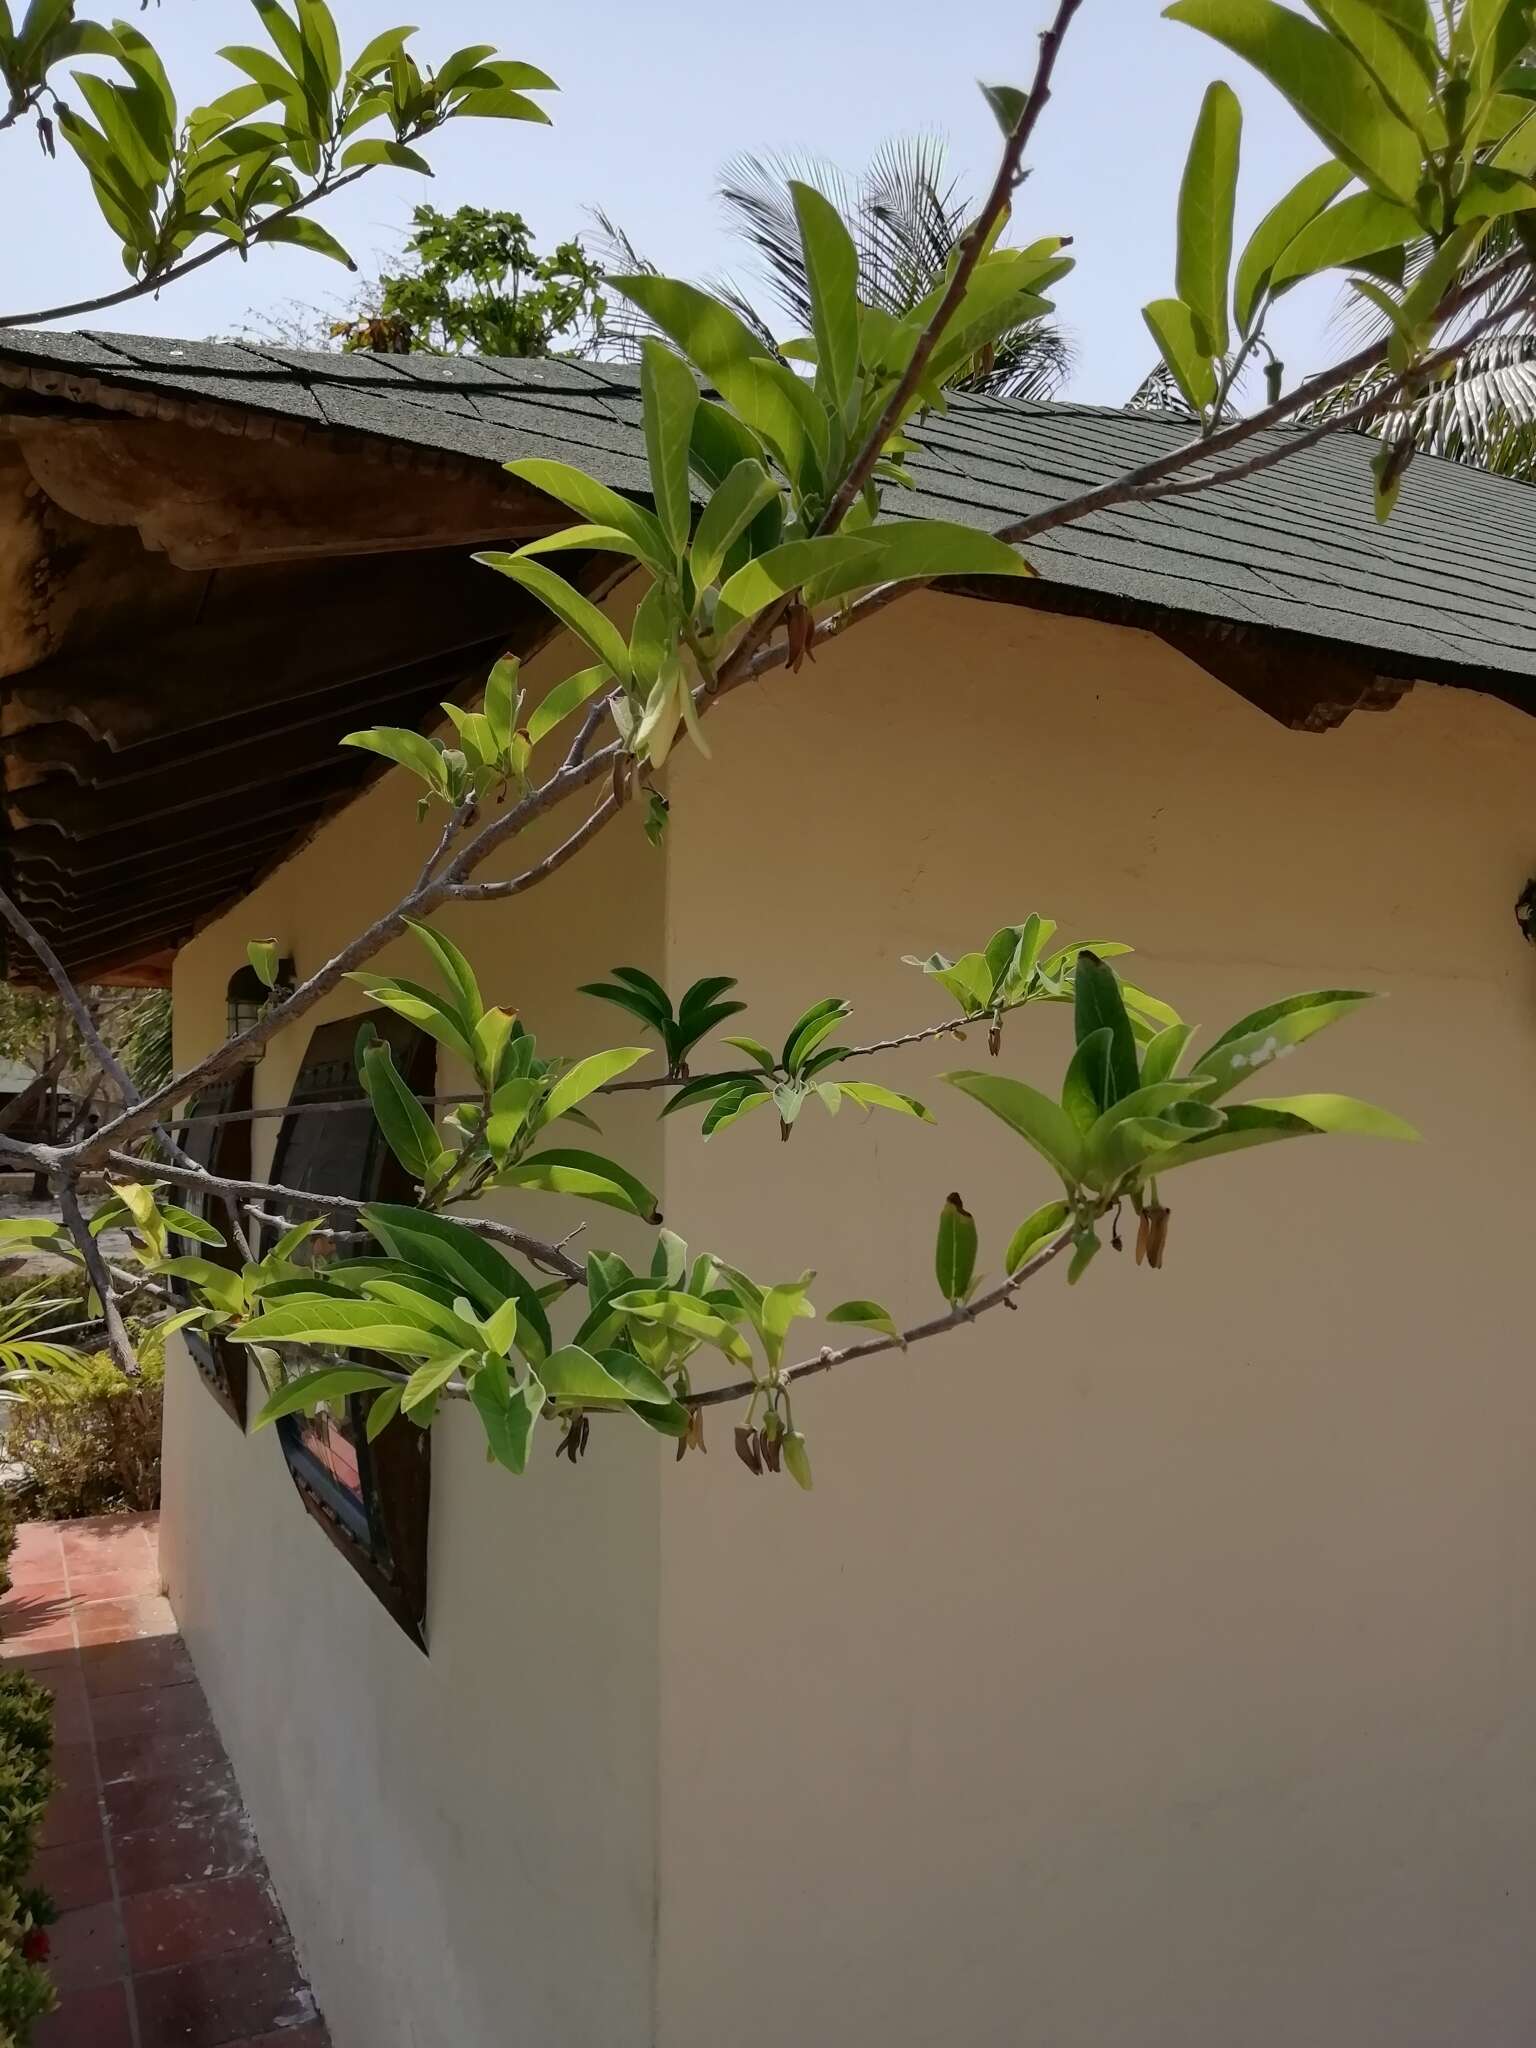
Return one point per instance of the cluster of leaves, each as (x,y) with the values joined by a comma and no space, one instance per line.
(473,280)
(495,743)
(490,1143)
(792,1078)
(1431,132)
(1127,1115)
(697,1014)
(1013,970)
(86,1439)
(243,167)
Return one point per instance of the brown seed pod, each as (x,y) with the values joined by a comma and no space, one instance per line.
(748,1451)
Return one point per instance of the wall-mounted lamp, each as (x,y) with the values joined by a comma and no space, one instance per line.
(248,995)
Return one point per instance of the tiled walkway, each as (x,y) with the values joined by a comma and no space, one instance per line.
(169,1934)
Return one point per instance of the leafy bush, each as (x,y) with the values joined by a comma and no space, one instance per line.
(88,1439)
(26,1784)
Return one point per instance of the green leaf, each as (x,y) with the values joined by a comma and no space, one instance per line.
(508,1414)
(1172,326)
(225,1289)
(1326,84)
(869,1314)
(1007,103)
(832,275)
(1393,62)
(670,397)
(502,697)
(423,1007)
(1247,1124)
(907,550)
(354,1325)
(589,1075)
(954,1252)
(263,956)
(330,1383)
(496,103)
(1037,1230)
(564,1171)
(1338,1113)
(382,1410)
(304,233)
(379,149)
(596,503)
(873,1095)
(1097,1003)
(572,1374)
(408,1131)
(1039,1121)
(455,970)
(574,611)
(1273,1031)
(735,504)
(428,1380)
(763,581)
(1347,232)
(465,1261)
(408,749)
(1163,1053)
(1207,199)
(563,699)
(809,1029)
(1087,1087)
(1275,233)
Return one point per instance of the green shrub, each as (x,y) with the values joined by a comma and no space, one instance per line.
(86,1438)
(26,1783)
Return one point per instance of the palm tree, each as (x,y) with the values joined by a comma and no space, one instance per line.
(906,214)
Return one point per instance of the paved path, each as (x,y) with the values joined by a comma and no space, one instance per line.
(169,1933)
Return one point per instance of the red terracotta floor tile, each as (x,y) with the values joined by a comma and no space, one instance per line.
(77,1874)
(224,2000)
(156,1753)
(126,1667)
(190,1923)
(193,1852)
(97,2018)
(71,1817)
(170,1801)
(86,1946)
(146,1848)
(37,1543)
(118,1621)
(163,1709)
(119,1583)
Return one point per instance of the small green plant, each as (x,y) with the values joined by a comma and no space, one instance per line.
(26,1784)
(696,1015)
(86,1438)
(790,1080)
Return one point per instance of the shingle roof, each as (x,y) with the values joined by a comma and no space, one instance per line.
(1447,586)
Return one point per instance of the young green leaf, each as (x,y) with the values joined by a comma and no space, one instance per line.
(954,1252)
(1207,200)
(869,1314)
(455,970)
(735,504)
(1033,1233)
(263,956)
(574,611)
(464,1261)
(670,398)
(308,1389)
(563,699)
(1039,1122)
(832,273)
(563,1171)
(597,504)
(1172,326)
(588,1075)
(1272,1032)
(1097,1004)
(409,749)
(1275,233)
(1347,232)
(408,1131)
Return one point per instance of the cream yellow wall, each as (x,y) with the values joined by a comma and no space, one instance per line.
(1154,1668)
(446,1832)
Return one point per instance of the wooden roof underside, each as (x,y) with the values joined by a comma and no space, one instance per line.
(194,607)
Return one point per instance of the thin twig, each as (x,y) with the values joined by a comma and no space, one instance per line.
(538,1249)
(495,892)
(953,1319)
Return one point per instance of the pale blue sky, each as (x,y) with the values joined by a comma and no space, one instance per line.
(655,98)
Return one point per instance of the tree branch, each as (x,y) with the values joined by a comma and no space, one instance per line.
(118,1341)
(538,1249)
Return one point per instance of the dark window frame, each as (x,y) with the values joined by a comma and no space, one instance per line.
(383,1533)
